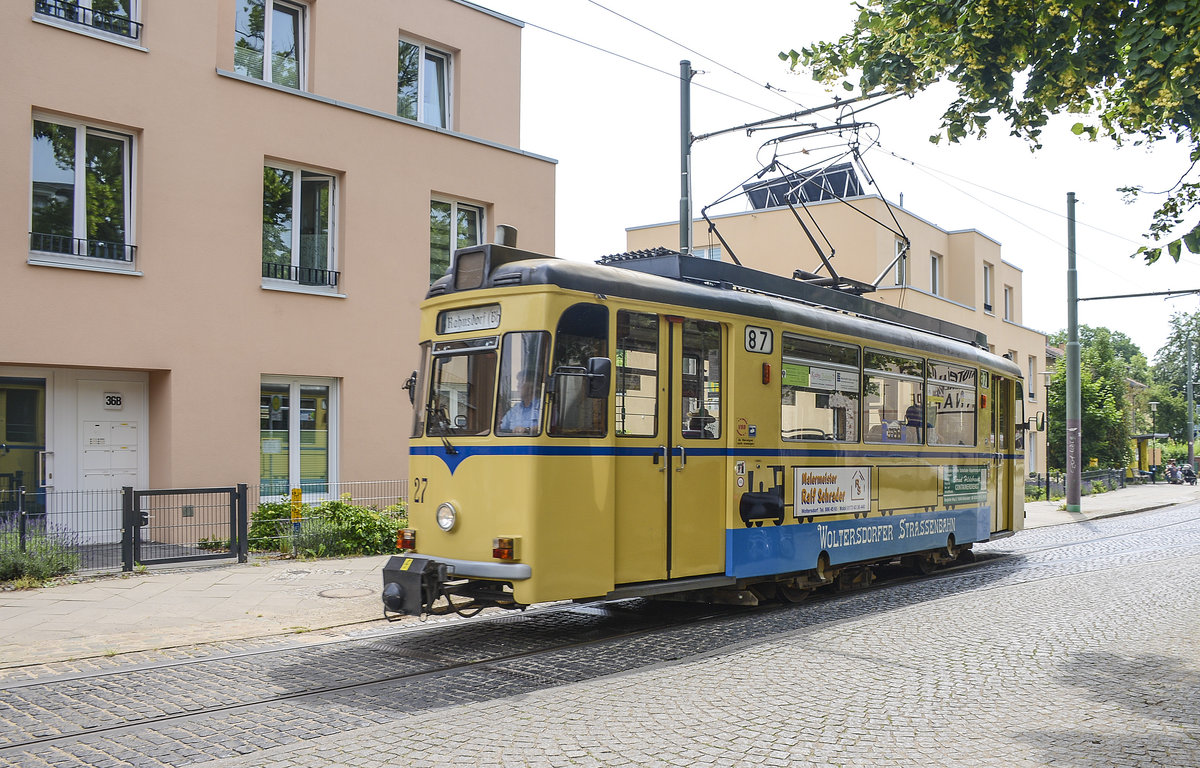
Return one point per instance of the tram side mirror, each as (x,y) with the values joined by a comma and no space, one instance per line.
(1039,422)
(411,387)
(599,376)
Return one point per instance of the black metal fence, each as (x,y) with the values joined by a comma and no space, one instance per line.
(90,531)
(112,530)
(72,11)
(1095,481)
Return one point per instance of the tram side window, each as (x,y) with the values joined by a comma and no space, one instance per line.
(522,381)
(701,396)
(419,412)
(461,393)
(819,390)
(637,374)
(950,397)
(894,408)
(582,333)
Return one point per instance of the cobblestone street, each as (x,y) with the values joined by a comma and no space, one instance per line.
(1077,656)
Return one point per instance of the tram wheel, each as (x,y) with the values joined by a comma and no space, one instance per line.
(822,569)
(922,564)
(794,594)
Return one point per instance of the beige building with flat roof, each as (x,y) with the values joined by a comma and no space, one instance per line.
(955,276)
(220,219)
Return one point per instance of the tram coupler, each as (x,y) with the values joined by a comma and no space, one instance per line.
(411,584)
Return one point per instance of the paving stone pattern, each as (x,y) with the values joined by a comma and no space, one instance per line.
(1081,666)
(1073,646)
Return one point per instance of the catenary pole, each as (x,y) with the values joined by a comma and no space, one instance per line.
(1191,423)
(1073,434)
(685,156)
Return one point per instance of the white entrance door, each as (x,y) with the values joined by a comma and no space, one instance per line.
(111,435)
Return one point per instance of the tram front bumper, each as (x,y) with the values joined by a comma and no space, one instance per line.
(412,583)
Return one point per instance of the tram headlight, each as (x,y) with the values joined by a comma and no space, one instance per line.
(446,516)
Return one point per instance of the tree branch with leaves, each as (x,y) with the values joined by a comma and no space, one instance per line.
(1129,68)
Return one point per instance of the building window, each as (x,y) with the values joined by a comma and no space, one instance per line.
(423,84)
(113,17)
(935,274)
(298,425)
(270,41)
(901,273)
(712,252)
(1008,303)
(298,226)
(1032,378)
(452,225)
(82,199)
(987,287)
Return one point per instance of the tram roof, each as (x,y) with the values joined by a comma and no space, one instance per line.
(667,277)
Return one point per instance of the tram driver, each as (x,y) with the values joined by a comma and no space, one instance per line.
(524,416)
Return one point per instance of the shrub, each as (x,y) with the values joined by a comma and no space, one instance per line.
(330,529)
(47,554)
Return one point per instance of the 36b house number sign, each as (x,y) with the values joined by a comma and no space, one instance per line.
(113,401)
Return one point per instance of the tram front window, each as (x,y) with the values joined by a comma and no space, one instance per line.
(522,381)
(461,394)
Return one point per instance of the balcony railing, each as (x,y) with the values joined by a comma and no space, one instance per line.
(66,10)
(79,246)
(301,275)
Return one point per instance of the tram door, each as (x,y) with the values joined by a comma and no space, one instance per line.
(1002,467)
(670,426)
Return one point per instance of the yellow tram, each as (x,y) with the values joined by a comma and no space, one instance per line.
(665,425)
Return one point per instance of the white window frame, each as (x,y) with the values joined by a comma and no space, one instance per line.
(79,211)
(1032,385)
(454,206)
(334,408)
(1008,302)
(900,276)
(297,191)
(935,274)
(447,58)
(712,252)
(301,41)
(83,27)
(988,289)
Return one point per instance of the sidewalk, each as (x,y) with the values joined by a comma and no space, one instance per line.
(1134,498)
(178,607)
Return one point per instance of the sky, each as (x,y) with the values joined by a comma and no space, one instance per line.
(612,123)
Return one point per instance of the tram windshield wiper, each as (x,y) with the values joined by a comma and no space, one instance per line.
(440,420)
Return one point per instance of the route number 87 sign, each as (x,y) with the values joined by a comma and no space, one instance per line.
(761,340)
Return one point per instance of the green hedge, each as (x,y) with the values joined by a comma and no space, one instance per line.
(329,529)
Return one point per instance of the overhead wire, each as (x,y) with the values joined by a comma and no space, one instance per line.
(929,171)
(651,67)
(778,91)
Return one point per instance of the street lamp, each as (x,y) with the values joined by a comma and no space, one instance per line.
(1153,435)
(1047,376)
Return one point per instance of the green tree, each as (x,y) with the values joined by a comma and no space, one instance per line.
(1103,388)
(1132,67)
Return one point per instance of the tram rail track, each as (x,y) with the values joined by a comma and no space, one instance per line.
(590,625)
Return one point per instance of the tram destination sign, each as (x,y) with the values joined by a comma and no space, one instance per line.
(964,484)
(470,319)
